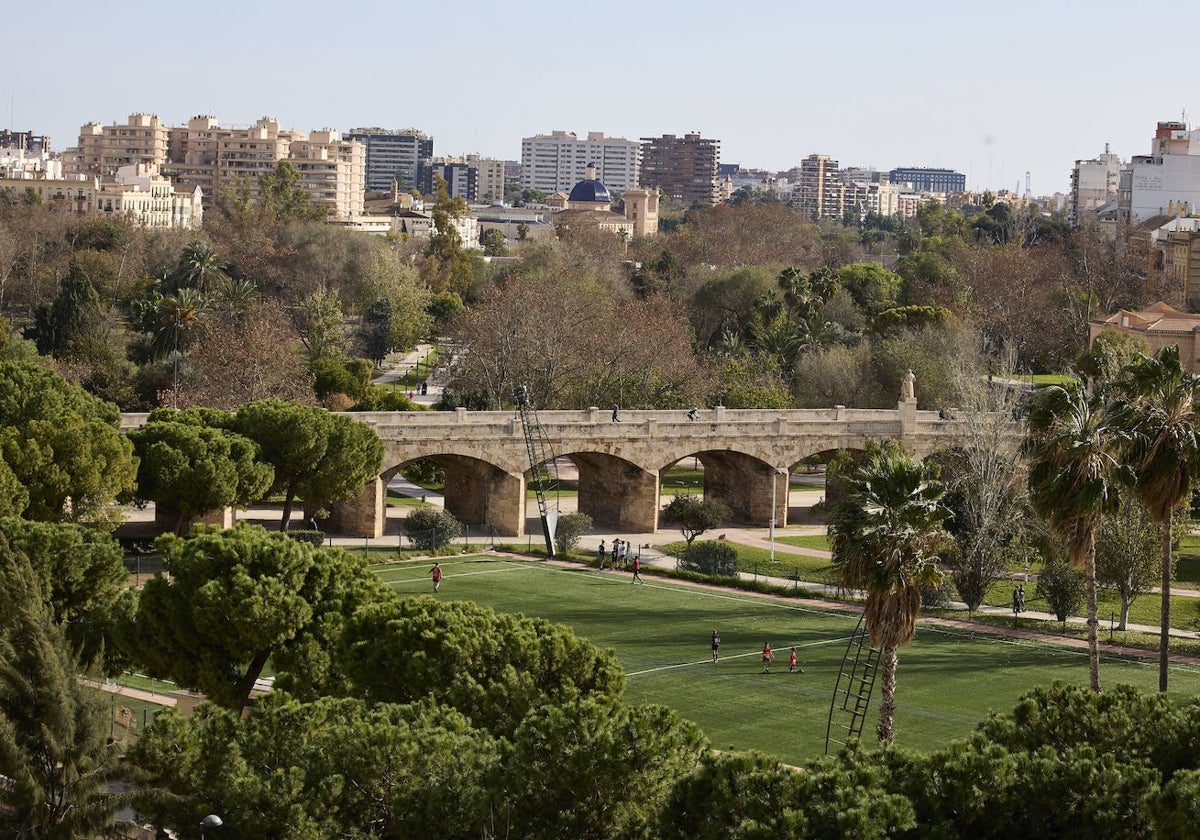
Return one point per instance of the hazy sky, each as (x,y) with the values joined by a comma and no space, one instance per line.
(990,89)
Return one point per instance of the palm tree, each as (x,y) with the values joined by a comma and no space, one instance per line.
(885,535)
(1073,478)
(199,267)
(1161,415)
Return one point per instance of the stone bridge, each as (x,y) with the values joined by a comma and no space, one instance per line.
(746,454)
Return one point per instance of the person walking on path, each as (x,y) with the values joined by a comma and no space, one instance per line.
(623,554)
(436,574)
(616,413)
(600,555)
(767,656)
(637,569)
(716,644)
(792,669)
(616,550)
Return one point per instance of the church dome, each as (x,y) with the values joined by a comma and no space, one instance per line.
(590,189)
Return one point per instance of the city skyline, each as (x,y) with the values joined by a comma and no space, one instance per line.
(990,92)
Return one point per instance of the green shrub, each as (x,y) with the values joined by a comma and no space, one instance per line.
(375,398)
(569,530)
(432,528)
(315,538)
(710,557)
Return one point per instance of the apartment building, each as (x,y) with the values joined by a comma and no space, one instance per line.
(204,155)
(863,197)
(332,170)
(476,179)
(103,149)
(557,161)
(818,193)
(26,141)
(922,179)
(392,155)
(1094,183)
(685,168)
(1168,176)
(138,191)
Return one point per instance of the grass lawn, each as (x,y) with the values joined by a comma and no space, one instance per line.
(817,541)
(947,681)
(757,561)
(679,480)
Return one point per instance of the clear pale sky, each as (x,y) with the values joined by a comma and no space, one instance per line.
(990,89)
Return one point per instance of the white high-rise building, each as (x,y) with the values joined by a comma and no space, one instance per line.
(1166,181)
(1094,183)
(556,162)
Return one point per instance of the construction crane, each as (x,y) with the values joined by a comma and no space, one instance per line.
(541,461)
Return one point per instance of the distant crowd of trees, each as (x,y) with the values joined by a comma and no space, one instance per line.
(746,304)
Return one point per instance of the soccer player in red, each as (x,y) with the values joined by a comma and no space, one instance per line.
(767,657)
(792,669)
(436,574)
(637,569)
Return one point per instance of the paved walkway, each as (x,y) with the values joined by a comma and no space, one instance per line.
(398,365)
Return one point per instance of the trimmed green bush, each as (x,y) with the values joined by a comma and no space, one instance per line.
(431,528)
(710,557)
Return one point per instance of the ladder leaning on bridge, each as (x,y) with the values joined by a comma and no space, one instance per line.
(852,693)
(540,458)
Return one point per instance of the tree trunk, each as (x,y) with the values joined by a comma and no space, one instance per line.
(887,694)
(1124,613)
(288,501)
(253,672)
(1165,636)
(1093,621)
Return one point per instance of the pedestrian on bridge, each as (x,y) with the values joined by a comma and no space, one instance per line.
(616,413)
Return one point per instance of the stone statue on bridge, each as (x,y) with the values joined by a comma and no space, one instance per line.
(907,387)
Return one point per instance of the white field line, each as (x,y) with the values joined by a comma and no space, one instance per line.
(752,653)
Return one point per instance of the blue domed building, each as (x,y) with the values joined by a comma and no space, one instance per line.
(589,204)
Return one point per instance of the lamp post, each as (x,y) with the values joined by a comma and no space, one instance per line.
(211,821)
(175,377)
(774,485)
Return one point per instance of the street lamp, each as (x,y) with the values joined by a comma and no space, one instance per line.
(175,381)
(211,821)
(774,485)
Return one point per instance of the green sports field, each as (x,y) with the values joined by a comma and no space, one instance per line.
(947,680)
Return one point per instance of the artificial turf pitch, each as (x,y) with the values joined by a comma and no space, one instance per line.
(947,681)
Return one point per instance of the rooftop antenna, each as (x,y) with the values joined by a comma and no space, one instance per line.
(1028,192)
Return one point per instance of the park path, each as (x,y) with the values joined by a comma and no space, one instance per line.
(398,365)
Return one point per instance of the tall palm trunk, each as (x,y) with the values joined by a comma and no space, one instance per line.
(1165,635)
(888,659)
(1093,619)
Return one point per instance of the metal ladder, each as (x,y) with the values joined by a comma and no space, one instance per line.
(852,693)
(537,446)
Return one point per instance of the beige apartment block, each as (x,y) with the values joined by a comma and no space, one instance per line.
(204,155)
(103,149)
(489,183)
(333,171)
(139,193)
